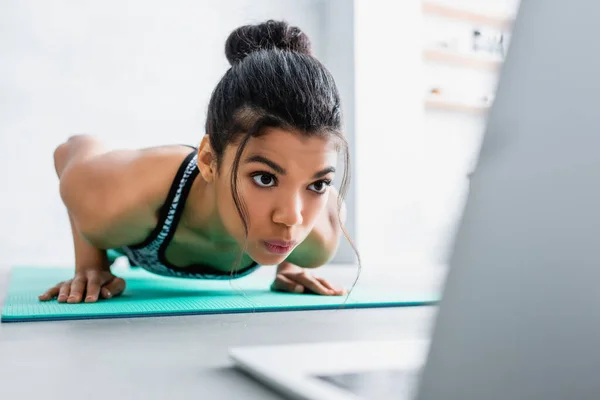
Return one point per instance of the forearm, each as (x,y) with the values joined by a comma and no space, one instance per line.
(315,251)
(87,256)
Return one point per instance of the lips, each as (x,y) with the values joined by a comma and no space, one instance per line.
(279,246)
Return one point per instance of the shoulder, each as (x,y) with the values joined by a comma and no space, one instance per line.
(113,197)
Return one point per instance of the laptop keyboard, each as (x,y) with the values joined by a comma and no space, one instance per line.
(380,385)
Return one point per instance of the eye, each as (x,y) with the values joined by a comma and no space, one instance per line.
(264,179)
(320,186)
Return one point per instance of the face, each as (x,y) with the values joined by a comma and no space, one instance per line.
(284,180)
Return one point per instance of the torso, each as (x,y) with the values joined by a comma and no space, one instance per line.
(171,249)
(188,248)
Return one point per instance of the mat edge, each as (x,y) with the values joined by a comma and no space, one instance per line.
(12,319)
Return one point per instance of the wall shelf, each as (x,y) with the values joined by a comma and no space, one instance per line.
(433,103)
(463,59)
(502,22)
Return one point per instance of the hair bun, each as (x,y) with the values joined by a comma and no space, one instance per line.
(265,36)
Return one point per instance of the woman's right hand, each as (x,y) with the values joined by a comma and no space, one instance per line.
(88,286)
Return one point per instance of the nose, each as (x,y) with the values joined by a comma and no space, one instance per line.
(288,211)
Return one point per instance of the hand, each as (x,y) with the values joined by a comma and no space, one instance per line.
(93,284)
(293,279)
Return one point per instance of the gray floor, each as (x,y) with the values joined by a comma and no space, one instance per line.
(176,357)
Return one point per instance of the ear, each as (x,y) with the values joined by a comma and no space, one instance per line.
(207,160)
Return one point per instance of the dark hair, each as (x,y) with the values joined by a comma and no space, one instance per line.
(274,81)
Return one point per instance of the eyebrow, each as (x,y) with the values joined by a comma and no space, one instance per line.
(280,170)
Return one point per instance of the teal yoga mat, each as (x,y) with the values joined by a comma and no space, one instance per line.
(150,295)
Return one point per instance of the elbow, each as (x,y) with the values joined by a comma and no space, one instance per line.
(322,259)
(60,158)
(70,182)
(318,250)
(325,240)
(64,152)
(318,259)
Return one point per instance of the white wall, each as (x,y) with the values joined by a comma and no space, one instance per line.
(338,56)
(389,141)
(136,73)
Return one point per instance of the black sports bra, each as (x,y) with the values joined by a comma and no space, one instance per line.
(150,254)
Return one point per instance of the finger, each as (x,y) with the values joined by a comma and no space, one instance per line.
(312,284)
(93,289)
(284,284)
(337,290)
(50,293)
(113,288)
(77,289)
(324,282)
(64,291)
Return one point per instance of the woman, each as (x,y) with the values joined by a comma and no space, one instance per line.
(256,191)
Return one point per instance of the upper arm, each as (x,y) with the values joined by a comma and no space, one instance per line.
(108,195)
(322,243)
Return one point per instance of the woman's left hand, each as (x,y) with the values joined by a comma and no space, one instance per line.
(294,279)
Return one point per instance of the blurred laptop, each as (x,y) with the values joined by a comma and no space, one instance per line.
(519,318)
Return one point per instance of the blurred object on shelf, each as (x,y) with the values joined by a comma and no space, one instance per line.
(488,41)
(456,100)
(448,45)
